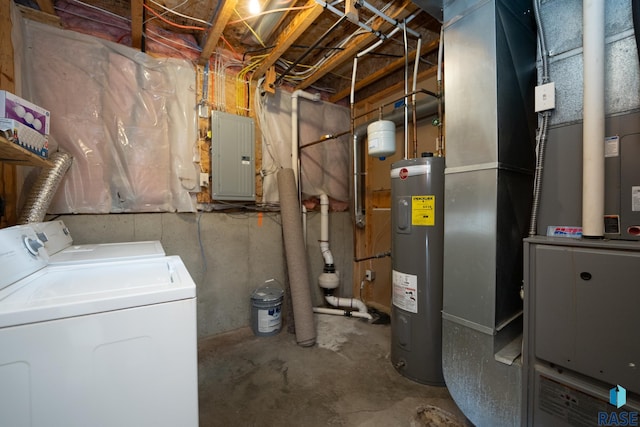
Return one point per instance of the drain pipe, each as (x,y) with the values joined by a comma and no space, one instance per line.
(328,279)
(593,120)
(324,234)
(338,312)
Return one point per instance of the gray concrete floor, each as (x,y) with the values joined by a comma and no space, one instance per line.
(346,379)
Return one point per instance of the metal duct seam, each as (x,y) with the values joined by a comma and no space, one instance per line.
(40,196)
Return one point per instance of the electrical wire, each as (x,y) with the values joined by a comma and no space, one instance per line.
(155,38)
(249,27)
(166,21)
(267,12)
(155,34)
(308,70)
(90,6)
(166,12)
(110,24)
(175,12)
(541,136)
(230,47)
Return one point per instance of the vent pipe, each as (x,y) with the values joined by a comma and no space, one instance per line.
(593,123)
(41,195)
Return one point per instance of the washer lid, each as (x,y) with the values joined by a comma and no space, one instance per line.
(107,252)
(62,291)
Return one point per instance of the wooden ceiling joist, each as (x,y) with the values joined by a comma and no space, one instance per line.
(289,35)
(396,65)
(137,18)
(358,44)
(215,32)
(399,87)
(46,6)
(39,16)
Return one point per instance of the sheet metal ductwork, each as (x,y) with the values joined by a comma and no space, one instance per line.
(432,7)
(490,54)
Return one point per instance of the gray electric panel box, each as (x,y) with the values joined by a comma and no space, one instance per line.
(232,157)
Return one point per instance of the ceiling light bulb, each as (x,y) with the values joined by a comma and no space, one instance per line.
(254,7)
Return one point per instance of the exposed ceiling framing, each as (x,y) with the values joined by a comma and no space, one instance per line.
(300,31)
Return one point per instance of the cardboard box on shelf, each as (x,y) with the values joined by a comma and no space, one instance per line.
(25,137)
(27,113)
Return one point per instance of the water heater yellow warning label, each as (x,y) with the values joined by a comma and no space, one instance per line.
(423,210)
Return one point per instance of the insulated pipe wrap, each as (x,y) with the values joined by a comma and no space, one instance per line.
(296,259)
(40,196)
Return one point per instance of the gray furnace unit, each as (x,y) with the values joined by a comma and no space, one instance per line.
(417,220)
(232,157)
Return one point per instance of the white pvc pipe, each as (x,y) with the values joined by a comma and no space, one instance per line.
(365,27)
(440,53)
(294,130)
(406,91)
(304,225)
(593,119)
(415,70)
(338,312)
(324,230)
(347,303)
(378,43)
(353,81)
(402,25)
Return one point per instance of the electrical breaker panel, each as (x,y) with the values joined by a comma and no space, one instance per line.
(232,157)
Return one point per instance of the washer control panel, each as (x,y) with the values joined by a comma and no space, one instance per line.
(21,254)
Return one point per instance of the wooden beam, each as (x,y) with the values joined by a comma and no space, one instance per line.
(289,35)
(8,188)
(39,16)
(46,6)
(351,11)
(357,44)
(215,32)
(399,87)
(396,65)
(137,19)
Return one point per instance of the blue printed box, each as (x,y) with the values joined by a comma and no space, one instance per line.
(15,108)
(25,137)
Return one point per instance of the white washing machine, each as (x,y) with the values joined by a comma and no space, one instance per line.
(59,245)
(95,344)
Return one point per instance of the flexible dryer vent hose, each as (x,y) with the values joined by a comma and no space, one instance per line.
(296,255)
(41,195)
